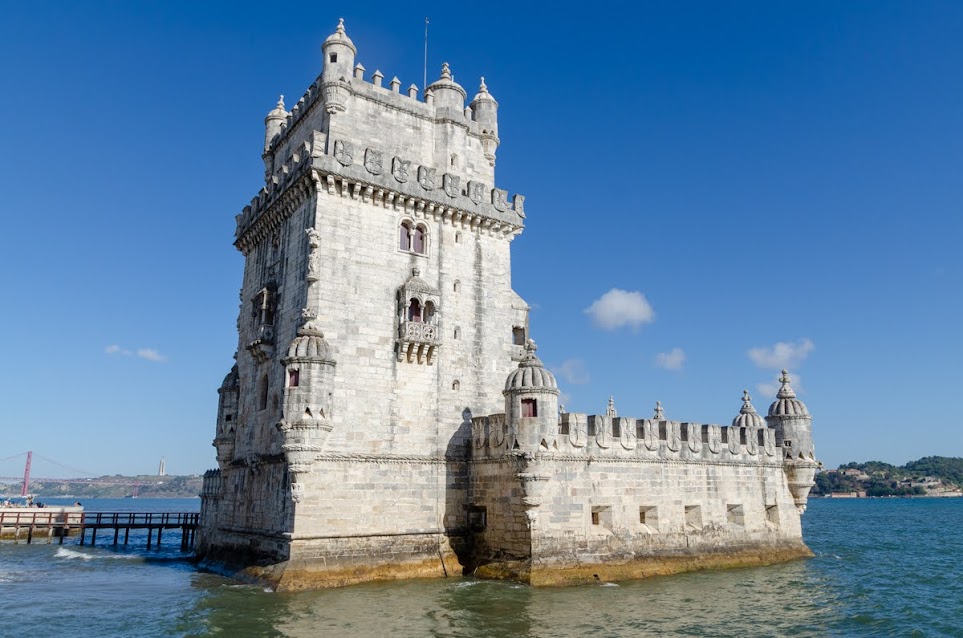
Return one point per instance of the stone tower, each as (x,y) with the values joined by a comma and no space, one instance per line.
(376,317)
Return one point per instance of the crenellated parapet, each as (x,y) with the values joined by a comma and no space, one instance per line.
(599,436)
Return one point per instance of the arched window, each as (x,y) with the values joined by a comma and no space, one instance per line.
(414,310)
(418,240)
(457,333)
(456,385)
(262,394)
(429,312)
(457,238)
(404,236)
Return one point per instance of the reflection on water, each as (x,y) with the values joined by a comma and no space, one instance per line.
(882,568)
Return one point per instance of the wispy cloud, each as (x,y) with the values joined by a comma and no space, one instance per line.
(573,371)
(673,360)
(149,354)
(784,354)
(618,308)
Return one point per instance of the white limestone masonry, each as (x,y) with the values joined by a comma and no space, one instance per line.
(387,416)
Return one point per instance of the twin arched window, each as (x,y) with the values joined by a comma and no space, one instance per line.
(419,313)
(413,238)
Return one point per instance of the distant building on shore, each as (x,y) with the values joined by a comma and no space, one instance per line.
(387,416)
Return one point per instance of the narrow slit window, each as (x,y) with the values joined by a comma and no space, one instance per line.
(294,378)
(418,240)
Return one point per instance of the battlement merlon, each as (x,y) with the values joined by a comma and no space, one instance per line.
(367,174)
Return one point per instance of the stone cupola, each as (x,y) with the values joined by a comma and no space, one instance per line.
(794,435)
(448,93)
(484,111)
(531,404)
(338,51)
(272,123)
(748,417)
(305,425)
(227,407)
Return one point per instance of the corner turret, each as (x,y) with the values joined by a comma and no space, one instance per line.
(484,110)
(272,123)
(748,417)
(448,93)
(791,420)
(227,406)
(531,404)
(338,68)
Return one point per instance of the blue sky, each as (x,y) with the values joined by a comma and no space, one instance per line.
(765,183)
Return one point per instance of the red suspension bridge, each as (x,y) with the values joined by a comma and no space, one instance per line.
(27,467)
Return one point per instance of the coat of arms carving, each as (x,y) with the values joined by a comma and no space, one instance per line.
(450,183)
(499,199)
(343,152)
(426,177)
(400,168)
(476,192)
(372,161)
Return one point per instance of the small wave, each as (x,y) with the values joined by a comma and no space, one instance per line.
(467,583)
(608,585)
(72,554)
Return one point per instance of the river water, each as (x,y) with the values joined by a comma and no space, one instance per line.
(883,567)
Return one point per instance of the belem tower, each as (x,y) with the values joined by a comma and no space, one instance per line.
(388,417)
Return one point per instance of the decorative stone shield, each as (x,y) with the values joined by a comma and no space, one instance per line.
(651,435)
(450,183)
(499,199)
(673,437)
(770,442)
(344,152)
(426,177)
(695,436)
(372,161)
(476,192)
(400,168)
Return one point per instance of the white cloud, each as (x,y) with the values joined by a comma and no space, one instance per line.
(672,360)
(618,308)
(144,353)
(573,371)
(151,355)
(782,355)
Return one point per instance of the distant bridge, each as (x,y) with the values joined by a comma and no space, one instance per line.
(29,466)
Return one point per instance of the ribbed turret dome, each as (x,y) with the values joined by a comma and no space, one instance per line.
(447,83)
(231,380)
(416,284)
(309,344)
(483,95)
(278,112)
(531,374)
(786,403)
(748,417)
(339,37)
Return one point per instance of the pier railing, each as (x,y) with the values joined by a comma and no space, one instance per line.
(57,522)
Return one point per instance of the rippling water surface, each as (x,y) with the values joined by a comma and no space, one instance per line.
(883,567)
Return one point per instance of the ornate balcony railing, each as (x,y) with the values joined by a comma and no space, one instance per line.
(417,332)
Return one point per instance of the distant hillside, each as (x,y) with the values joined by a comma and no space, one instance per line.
(116,486)
(931,475)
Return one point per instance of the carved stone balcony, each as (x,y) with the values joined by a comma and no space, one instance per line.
(417,341)
(263,345)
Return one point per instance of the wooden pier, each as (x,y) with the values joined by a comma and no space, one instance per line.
(26,523)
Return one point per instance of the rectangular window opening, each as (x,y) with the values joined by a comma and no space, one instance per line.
(693,518)
(602,516)
(518,336)
(649,518)
(477,517)
(529,407)
(294,378)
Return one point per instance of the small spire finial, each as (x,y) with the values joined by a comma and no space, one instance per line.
(785,392)
(530,346)
(610,409)
(340,26)
(281,101)
(658,411)
(483,88)
(785,377)
(445,71)
(747,404)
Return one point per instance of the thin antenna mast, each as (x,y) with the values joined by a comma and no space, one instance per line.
(424,84)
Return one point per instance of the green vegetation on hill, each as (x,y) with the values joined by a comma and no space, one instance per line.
(116,486)
(928,475)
